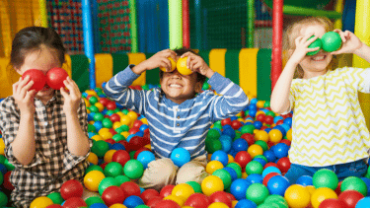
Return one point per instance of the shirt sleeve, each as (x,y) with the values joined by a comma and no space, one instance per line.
(232,99)
(9,125)
(360,78)
(70,160)
(117,89)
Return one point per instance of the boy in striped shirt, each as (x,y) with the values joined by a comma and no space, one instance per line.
(178,114)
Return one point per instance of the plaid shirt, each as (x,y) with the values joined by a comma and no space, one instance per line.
(53,164)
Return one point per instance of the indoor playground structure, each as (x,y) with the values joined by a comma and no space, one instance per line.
(241,40)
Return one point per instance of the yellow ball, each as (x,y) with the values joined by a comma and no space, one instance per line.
(91,92)
(260,112)
(106,135)
(120,113)
(212,184)
(144,120)
(148,146)
(116,125)
(311,189)
(97,138)
(173,66)
(118,206)
(125,134)
(213,165)
(275,135)
(255,150)
(218,205)
(244,175)
(125,120)
(103,130)
(321,194)
(87,103)
(90,122)
(132,115)
(231,158)
(289,135)
(297,196)
(2,147)
(209,157)
(183,191)
(92,158)
(262,135)
(176,199)
(108,156)
(260,104)
(182,67)
(92,180)
(41,202)
(99,106)
(233,203)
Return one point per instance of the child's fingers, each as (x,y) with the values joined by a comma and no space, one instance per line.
(312,49)
(187,54)
(23,82)
(308,42)
(197,66)
(30,95)
(74,86)
(23,90)
(63,92)
(170,53)
(298,40)
(164,64)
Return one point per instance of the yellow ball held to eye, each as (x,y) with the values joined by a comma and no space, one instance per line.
(182,68)
(173,65)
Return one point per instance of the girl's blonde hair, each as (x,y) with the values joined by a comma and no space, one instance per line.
(293,31)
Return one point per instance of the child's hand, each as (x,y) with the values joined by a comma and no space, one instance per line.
(159,59)
(197,64)
(302,49)
(73,98)
(24,98)
(350,42)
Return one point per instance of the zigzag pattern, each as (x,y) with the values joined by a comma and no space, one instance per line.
(328,125)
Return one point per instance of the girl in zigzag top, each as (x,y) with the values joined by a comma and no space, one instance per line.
(329,129)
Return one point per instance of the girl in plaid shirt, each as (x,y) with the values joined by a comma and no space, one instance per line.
(45,132)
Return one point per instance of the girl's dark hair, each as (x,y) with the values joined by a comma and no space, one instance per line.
(200,78)
(31,38)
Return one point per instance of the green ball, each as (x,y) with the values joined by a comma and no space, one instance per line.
(196,186)
(254,167)
(122,179)
(125,111)
(107,123)
(3,199)
(247,129)
(91,128)
(263,144)
(125,127)
(118,130)
(133,169)
(93,100)
(2,159)
(110,112)
(105,183)
(354,183)
(94,200)
(98,117)
(219,126)
(236,167)
(315,44)
(100,148)
(267,104)
(145,87)
(225,176)
(56,197)
(132,154)
(94,167)
(270,113)
(8,165)
(213,134)
(325,178)
(262,157)
(276,198)
(113,169)
(205,86)
(266,205)
(213,145)
(257,193)
(94,109)
(116,110)
(142,206)
(118,137)
(238,134)
(331,41)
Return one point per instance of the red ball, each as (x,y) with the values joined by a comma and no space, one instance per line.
(115,117)
(167,204)
(148,195)
(71,188)
(242,158)
(269,120)
(230,196)
(121,156)
(285,141)
(137,124)
(37,77)
(270,164)
(337,190)
(332,203)
(283,164)
(104,101)
(111,105)
(130,189)
(139,151)
(103,165)
(167,190)
(270,144)
(55,78)
(74,202)
(113,195)
(198,200)
(7,183)
(154,201)
(110,141)
(137,142)
(261,117)
(350,198)
(220,196)
(235,124)
(112,131)
(138,87)
(133,130)
(268,176)
(54,206)
(248,137)
(280,122)
(226,121)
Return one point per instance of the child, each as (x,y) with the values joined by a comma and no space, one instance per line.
(329,129)
(178,114)
(45,132)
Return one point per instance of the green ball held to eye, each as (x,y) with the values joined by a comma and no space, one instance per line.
(315,44)
(331,41)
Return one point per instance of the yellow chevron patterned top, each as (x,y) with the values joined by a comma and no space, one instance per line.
(328,125)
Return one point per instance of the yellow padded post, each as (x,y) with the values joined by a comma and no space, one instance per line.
(248,71)
(137,58)
(217,60)
(103,68)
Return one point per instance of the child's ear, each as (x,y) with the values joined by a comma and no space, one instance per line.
(18,70)
(198,87)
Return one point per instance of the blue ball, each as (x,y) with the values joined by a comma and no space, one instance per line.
(229,132)
(145,157)
(143,127)
(133,201)
(98,205)
(257,124)
(278,118)
(118,146)
(240,145)
(281,150)
(277,185)
(367,182)
(260,160)
(90,117)
(91,134)
(239,188)
(233,118)
(253,113)
(103,85)
(100,161)
(139,133)
(253,101)
(119,106)
(220,156)
(285,126)
(270,169)
(232,173)
(102,96)
(104,111)
(226,142)
(84,94)
(219,130)
(305,180)
(180,156)
(254,178)
(227,126)
(363,203)
(281,129)
(267,130)
(245,203)
(3,169)
(98,125)
(141,190)
(109,145)
(129,137)
(288,121)
(270,156)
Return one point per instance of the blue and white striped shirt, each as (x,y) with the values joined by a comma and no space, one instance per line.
(174,125)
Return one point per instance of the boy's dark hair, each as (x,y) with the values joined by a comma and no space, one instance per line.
(200,78)
(31,38)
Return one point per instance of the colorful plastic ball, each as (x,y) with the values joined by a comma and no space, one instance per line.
(105,183)
(56,197)
(198,200)
(40,202)
(93,179)
(240,145)
(321,194)
(180,156)
(363,203)
(218,205)
(332,203)
(242,158)
(225,176)
(350,198)
(121,156)
(305,180)
(226,142)
(281,150)
(354,183)
(133,201)
(229,132)
(297,196)
(232,173)
(3,199)
(183,191)
(254,167)
(275,135)
(284,164)
(270,156)
(100,148)
(257,193)
(196,186)
(166,191)
(255,150)
(94,200)
(325,178)
(167,204)
(54,206)
(278,185)
(71,188)
(213,134)
(267,178)
(148,194)
(254,178)
(213,165)
(261,136)
(176,199)
(74,202)
(239,188)
(247,129)
(212,184)
(331,41)
(222,197)
(220,156)
(145,158)
(270,170)
(367,182)
(113,195)
(133,169)
(236,167)
(245,203)
(113,169)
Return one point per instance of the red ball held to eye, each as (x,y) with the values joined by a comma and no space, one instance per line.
(55,78)
(37,77)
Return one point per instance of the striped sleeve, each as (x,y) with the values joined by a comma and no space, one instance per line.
(117,89)
(232,99)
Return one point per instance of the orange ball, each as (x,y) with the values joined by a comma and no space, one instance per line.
(108,156)
(92,158)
